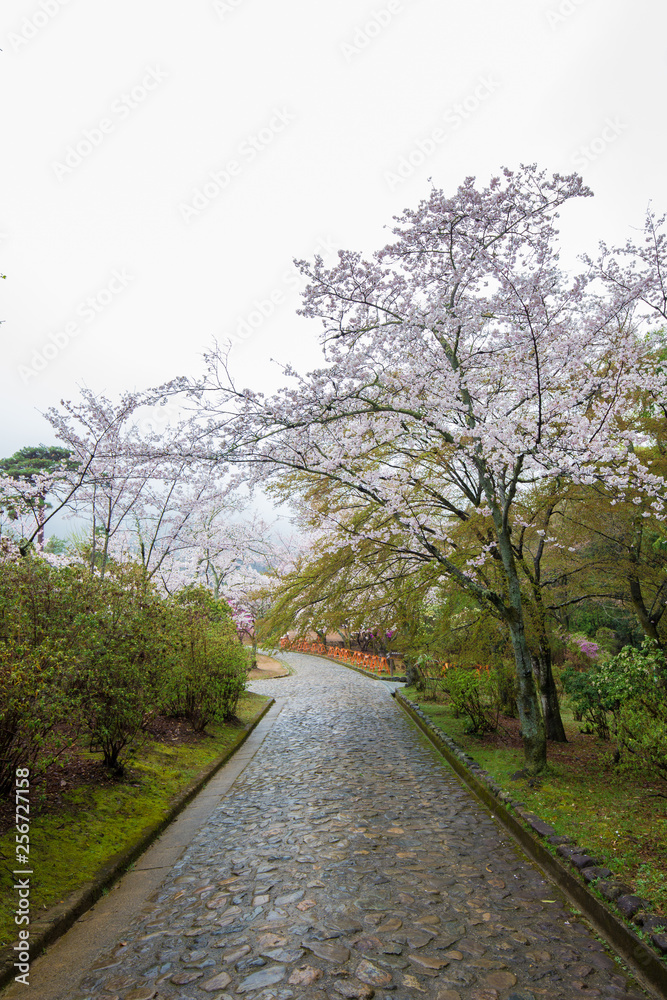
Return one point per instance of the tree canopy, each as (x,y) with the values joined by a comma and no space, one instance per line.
(463,367)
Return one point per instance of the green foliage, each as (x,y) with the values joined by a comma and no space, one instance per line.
(474,694)
(85,657)
(33,704)
(591,705)
(452,627)
(591,617)
(627,696)
(124,637)
(504,678)
(209,669)
(36,671)
(430,679)
(608,640)
(636,680)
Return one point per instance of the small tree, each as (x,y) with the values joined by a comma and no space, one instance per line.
(36,468)
(208,672)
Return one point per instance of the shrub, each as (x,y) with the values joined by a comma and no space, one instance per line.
(636,681)
(209,669)
(36,671)
(430,677)
(123,636)
(590,703)
(86,657)
(473,693)
(80,655)
(33,707)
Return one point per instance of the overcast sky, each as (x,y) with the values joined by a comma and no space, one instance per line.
(163,162)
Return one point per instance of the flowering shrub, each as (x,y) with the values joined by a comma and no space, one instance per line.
(588,648)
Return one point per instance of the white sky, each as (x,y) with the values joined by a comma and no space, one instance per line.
(158,95)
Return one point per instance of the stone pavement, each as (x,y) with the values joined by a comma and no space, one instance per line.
(347,861)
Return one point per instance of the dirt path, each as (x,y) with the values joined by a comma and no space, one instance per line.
(267,668)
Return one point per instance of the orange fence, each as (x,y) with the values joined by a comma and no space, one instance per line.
(364,661)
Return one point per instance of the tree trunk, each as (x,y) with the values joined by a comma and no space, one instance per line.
(530,716)
(40,522)
(532,723)
(553,722)
(104,554)
(542,661)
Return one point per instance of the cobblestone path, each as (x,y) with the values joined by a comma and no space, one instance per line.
(347,861)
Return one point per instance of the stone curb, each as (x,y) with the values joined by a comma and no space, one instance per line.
(53,924)
(524,826)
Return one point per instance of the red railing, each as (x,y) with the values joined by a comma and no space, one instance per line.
(363,661)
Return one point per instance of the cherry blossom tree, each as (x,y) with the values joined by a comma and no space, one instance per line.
(635,274)
(252,586)
(462,366)
(31,461)
(142,487)
(103,438)
(24,508)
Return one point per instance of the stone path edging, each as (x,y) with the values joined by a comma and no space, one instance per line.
(646,963)
(56,921)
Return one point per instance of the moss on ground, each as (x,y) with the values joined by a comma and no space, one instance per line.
(619,815)
(95,823)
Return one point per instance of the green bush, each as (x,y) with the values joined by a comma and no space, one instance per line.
(626,696)
(636,681)
(89,658)
(209,667)
(124,638)
(473,693)
(34,706)
(591,703)
(80,656)
(430,677)
(37,670)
